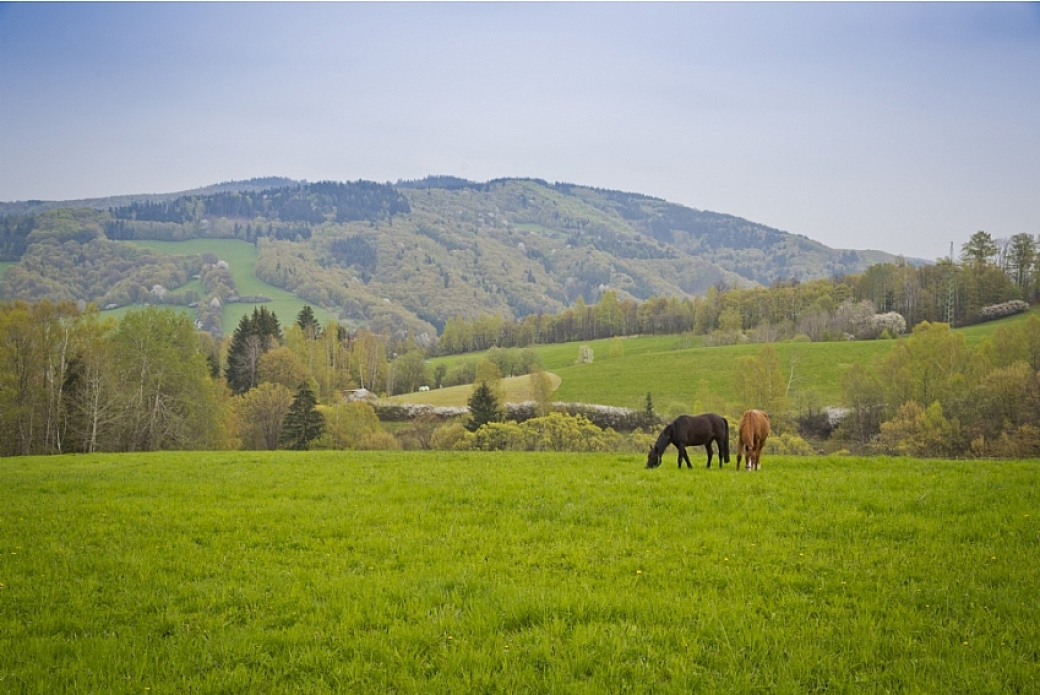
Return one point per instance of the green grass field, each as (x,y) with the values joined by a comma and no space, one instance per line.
(494,572)
(241,259)
(681,375)
(680,379)
(684,376)
(517,389)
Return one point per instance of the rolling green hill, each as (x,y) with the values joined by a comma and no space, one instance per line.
(683,376)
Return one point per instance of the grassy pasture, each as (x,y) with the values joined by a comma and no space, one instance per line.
(502,572)
(695,378)
(983,331)
(684,376)
(517,389)
(681,375)
(241,260)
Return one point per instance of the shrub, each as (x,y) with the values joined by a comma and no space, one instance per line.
(352,425)
(404,412)
(494,436)
(1023,442)
(603,416)
(917,431)
(377,440)
(447,437)
(788,445)
(999,311)
(552,432)
(891,324)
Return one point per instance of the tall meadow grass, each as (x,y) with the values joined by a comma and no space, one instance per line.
(515,572)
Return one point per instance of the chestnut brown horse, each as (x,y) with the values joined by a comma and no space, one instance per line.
(751,437)
(688,430)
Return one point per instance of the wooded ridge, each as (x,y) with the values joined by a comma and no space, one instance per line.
(408,256)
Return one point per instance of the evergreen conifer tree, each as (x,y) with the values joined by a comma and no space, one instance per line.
(267,327)
(241,370)
(303,423)
(649,416)
(483,407)
(308,322)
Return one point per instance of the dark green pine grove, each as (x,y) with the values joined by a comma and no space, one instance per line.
(255,335)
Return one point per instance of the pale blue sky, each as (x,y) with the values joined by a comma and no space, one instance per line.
(893,126)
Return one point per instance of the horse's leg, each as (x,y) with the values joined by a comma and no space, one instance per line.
(708,448)
(684,456)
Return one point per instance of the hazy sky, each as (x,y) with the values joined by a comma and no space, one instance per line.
(892,126)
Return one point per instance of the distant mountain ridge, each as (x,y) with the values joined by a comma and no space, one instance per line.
(411,255)
(29,207)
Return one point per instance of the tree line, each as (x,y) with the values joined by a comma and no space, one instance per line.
(312,204)
(934,395)
(989,273)
(72,380)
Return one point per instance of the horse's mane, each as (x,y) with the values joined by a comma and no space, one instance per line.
(663,440)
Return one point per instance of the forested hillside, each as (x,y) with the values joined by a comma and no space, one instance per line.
(404,257)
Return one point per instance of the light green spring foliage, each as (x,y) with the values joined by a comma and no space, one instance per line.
(935,394)
(502,573)
(353,425)
(552,432)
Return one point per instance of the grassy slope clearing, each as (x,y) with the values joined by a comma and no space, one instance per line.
(517,389)
(241,259)
(683,376)
(500,572)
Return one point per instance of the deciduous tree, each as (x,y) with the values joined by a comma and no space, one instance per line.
(259,415)
(167,398)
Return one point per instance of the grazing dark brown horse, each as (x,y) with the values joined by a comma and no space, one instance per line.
(751,437)
(687,430)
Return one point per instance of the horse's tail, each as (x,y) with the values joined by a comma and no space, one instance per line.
(724,444)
